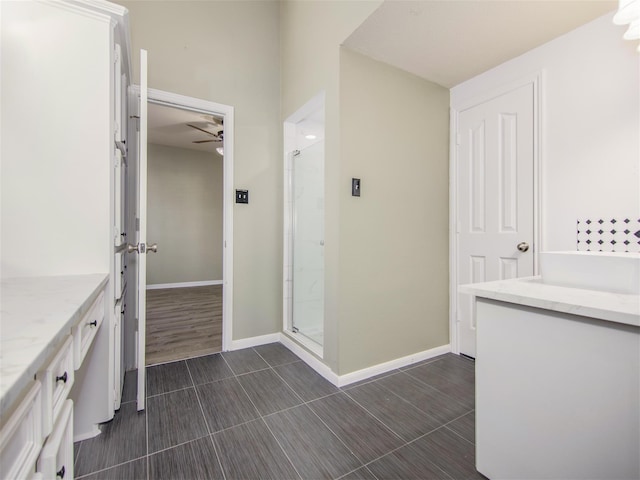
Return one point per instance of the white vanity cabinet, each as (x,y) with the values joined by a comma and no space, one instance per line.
(85,331)
(56,458)
(56,379)
(65,70)
(557,381)
(21,436)
(39,369)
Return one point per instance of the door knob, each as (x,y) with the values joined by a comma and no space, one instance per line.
(523,246)
(142,248)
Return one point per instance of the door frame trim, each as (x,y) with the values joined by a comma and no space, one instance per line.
(537,80)
(227,111)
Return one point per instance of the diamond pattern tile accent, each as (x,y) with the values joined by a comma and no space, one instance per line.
(607,238)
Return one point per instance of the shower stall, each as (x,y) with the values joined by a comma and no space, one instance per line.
(304,226)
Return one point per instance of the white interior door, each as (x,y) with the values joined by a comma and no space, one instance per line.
(495,220)
(142,232)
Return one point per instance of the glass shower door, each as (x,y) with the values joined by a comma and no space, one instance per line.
(308,242)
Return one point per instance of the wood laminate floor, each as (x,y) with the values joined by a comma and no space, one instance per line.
(183,323)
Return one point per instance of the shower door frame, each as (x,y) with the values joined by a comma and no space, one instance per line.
(290,149)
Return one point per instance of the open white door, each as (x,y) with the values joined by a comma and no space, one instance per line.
(142,232)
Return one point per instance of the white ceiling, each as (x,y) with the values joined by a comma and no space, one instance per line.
(450,41)
(169,126)
(444,41)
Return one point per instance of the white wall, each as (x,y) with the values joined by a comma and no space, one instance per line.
(229,52)
(394,253)
(55,186)
(590,131)
(184,215)
(311,34)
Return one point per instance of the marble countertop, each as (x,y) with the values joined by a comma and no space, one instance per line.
(36,314)
(530,291)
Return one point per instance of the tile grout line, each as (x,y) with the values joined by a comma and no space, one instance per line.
(339,439)
(146,418)
(267,425)
(415,406)
(352,471)
(375,416)
(281,447)
(170,391)
(77,455)
(183,359)
(271,414)
(456,433)
(288,386)
(228,364)
(110,467)
(176,445)
(205,420)
(406,372)
(322,421)
(369,380)
(434,388)
(215,449)
(280,364)
(444,425)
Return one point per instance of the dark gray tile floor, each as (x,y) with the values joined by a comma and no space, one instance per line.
(262,413)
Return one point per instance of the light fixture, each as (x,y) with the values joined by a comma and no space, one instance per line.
(220,150)
(629,13)
(310,136)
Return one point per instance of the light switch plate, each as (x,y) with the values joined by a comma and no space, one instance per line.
(242,196)
(355,187)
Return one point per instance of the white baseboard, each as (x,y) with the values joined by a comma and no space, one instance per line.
(202,283)
(374,370)
(324,370)
(349,378)
(310,359)
(254,341)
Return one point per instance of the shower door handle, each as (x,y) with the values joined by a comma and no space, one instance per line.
(322,243)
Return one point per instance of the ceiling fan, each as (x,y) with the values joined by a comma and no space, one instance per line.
(217,137)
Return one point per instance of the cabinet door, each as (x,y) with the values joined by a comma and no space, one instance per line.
(57,379)
(56,459)
(21,436)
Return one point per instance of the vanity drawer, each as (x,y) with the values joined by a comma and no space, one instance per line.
(56,459)
(57,380)
(85,331)
(21,437)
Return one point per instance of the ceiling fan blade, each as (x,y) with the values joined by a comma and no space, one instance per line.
(201,129)
(204,141)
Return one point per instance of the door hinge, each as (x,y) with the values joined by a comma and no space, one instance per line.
(458,139)
(116,54)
